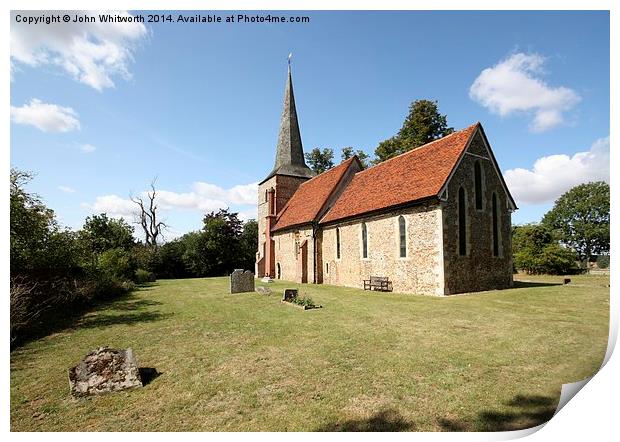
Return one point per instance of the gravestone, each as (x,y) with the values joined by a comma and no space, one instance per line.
(104,370)
(241,281)
(289,295)
(263,290)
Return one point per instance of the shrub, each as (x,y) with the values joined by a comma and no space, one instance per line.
(306,302)
(602,261)
(117,263)
(143,276)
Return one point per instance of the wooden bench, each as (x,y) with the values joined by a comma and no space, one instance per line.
(381,283)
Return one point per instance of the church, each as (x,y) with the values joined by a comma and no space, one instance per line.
(435,220)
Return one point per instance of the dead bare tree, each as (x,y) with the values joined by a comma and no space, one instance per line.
(147,218)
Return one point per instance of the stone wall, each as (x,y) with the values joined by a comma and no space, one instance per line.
(479,269)
(288,252)
(421,271)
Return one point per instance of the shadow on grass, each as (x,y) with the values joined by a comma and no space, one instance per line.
(77,316)
(384,420)
(526,412)
(530,284)
(148,375)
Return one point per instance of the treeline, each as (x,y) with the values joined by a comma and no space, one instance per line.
(54,269)
(573,233)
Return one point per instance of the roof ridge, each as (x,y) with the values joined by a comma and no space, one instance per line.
(420,147)
(329,170)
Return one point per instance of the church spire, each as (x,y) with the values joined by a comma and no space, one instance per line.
(289,151)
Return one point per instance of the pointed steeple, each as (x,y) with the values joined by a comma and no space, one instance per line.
(289,151)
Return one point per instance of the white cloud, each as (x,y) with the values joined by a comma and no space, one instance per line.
(66,189)
(45,116)
(87,148)
(114,206)
(204,197)
(553,175)
(91,53)
(515,85)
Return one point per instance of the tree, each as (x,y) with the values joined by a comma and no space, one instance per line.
(348,152)
(248,244)
(320,161)
(580,219)
(221,246)
(423,125)
(147,218)
(535,251)
(101,233)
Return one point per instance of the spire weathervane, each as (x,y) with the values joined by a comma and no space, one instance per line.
(290,55)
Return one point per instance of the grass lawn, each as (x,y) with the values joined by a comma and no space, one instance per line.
(366,361)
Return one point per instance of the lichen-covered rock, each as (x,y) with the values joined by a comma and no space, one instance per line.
(104,370)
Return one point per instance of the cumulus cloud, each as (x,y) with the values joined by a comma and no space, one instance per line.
(66,189)
(114,206)
(91,53)
(515,85)
(45,116)
(553,175)
(87,148)
(203,197)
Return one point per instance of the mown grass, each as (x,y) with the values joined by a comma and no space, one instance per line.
(365,361)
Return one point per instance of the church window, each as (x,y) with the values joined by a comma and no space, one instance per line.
(337,243)
(327,268)
(478,185)
(402,236)
(462,210)
(495,226)
(364,241)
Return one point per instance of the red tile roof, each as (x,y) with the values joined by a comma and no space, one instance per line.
(409,177)
(306,203)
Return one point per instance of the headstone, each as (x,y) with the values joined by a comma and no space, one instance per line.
(267,279)
(241,281)
(263,290)
(104,370)
(566,280)
(289,295)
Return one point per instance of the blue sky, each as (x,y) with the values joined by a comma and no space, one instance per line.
(198,105)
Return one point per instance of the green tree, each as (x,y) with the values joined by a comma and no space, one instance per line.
(536,251)
(422,125)
(101,233)
(248,244)
(580,219)
(221,246)
(320,160)
(348,152)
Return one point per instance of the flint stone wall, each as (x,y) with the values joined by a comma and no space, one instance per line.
(241,282)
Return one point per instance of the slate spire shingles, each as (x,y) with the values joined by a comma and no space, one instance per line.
(289,151)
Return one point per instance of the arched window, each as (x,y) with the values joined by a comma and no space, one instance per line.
(402,234)
(337,243)
(495,226)
(478,185)
(462,223)
(278,271)
(364,241)
(327,268)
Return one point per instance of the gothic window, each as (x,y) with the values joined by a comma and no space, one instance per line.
(364,241)
(462,223)
(337,243)
(402,237)
(278,270)
(478,185)
(495,226)
(327,268)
